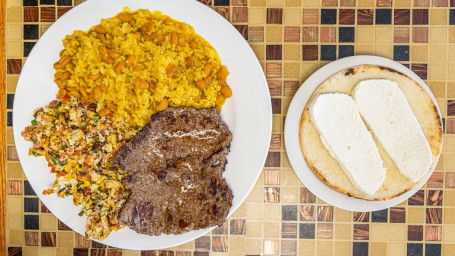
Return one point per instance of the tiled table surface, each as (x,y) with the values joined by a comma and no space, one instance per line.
(291,38)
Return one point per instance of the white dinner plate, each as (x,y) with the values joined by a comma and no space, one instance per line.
(248,113)
(292,140)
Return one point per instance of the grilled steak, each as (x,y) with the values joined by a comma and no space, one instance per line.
(175,165)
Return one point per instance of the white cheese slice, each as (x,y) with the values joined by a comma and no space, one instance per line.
(386,111)
(347,139)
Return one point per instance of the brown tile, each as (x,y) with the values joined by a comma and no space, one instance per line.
(95,244)
(48,239)
(401,16)
(401,35)
(80,252)
(81,241)
(97,252)
(273,159)
(419,16)
(239,14)
(309,34)
(276,106)
(347,16)
(256,34)
(451,108)
(306,212)
(384,3)
(239,2)
(417,198)
(420,70)
(47,14)
(434,197)
(11,153)
(452,3)
(325,230)
(325,213)
(440,3)
(329,2)
(271,177)
(273,70)
(436,180)
(220,244)
(451,126)
(62,226)
(76,2)
(292,34)
(306,196)
(13,66)
(206,2)
(275,142)
(15,187)
(310,52)
(288,247)
(347,3)
(31,238)
(433,233)
(274,87)
(361,217)
(243,30)
(420,35)
(274,52)
(201,253)
(202,243)
(183,253)
(238,227)
(62,10)
(272,195)
(288,230)
(415,233)
(310,16)
(434,215)
(361,231)
(421,3)
(114,252)
(14,251)
(149,253)
(328,34)
(224,11)
(223,230)
(365,16)
(397,215)
(44,208)
(290,87)
(274,16)
(31,14)
(450,180)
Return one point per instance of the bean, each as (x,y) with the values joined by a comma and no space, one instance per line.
(103,88)
(137,68)
(118,68)
(113,54)
(103,112)
(60,84)
(83,90)
(162,105)
(141,84)
(65,75)
(189,61)
(148,37)
(218,108)
(152,85)
(159,39)
(223,73)
(130,60)
(124,17)
(100,36)
(167,21)
(107,59)
(61,52)
(208,80)
(56,65)
(57,75)
(103,49)
(131,95)
(65,60)
(193,44)
(131,121)
(112,106)
(207,68)
(97,93)
(138,35)
(226,91)
(221,81)
(94,76)
(74,94)
(171,70)
(201,84)
(148,26)
(100,29)
(62,92)
(69,88)
(174,38)
(219,100)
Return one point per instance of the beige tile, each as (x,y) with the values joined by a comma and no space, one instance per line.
(364,49)
(15,221)
(384,51)
(16,237)
(416,215)
(438,53)
(448,249)
(365,3)
(324,247)
(30,251)
(257,16)
(442,104)
(257,3)
(14,49)
(47,251)
(236,243)
(308,69)
(65,239)
(240,212)
(448,234)
(384,34)
(272,212)
(289,178)
(451,72)
(14,204)
(253,229)
(342,215)
(13,171)
(364,34)
(271,229)
(11,82)
(271,246)
(396,249)
(64,251)
(275,3)
(397,233)
(131,253)
(378,249)
(449,198)
(419,53)
(343,248)
(343,231)
(438,89)
(253,246)
(307,248)
(292,52)
(292,16)
(259,50)
(13,32)
(437,71)
(450,162)
(378,232)
(292,70)
(277,124)
(438,16)
(254,211)
(438,35)
(452,35)
(14,3)
(449,216)
(48,222)
(14,14)
(274,34)
(450,143)
(311,3)
(293,3)
(186,246)
(402,3)
(256,194)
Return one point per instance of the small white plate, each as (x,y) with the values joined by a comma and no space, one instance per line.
(292,140)
(248,113)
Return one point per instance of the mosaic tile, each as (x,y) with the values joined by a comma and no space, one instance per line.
(329,3)
(420,16)
(31,14)
(239,14)
(361,231)
(434,197)
(401,53)
(309,34)
(48,239)
(328,16)
(292,34)
(271,247)
(274,87)
(256,34)
(414,249)
(273,70)
(450,180)
(47,14)
(307,213)
(220,244)
(13,66)
(9,122)
(64,2)
(434,215)
(384,3)
(28,190)
(290,87)
(324,230)
(80,252)
(417,198)
(274,52)
(288,230)
(401,16)
(347,17)
(328,52)
(289,212)
(325,213)
(240,2)
(62,10)
(30,2)
(346,34)
(310,16)
(206,2)
(360,248)
(221,2)
(31,238)
(420,70)
(345,51)
(288,247)
(347,3)
(379,216)
(310,52)
(421,3)
(328,34)
(432,249)
(401,35)
(31,222)
(365,16)
(452,17)
(223,230)
(223,11)
(31,205)
(14,251)
(307,230)
(420,35)
(14,187)
(415,233)
(383,16)
(274,16)
(47,2)
(433,233)
(361,216)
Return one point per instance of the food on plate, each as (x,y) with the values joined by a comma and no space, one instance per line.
(112,79)
(343,133)
(386,111)
(329,169)
(175,165)
(141,62)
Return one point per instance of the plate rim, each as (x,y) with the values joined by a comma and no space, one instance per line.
(292,142)
(267,116)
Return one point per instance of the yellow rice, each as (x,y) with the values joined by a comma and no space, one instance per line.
(152,58)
